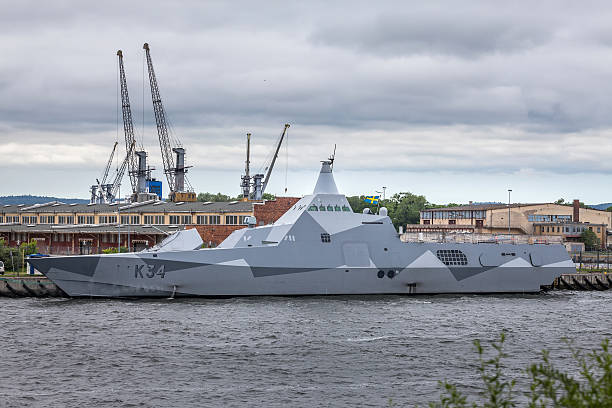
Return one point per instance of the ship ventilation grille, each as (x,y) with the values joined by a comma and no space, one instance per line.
(451,257)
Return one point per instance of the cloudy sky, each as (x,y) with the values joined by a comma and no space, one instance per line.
(456,103)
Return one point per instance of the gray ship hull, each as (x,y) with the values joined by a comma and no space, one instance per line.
(318,247)
(191,274)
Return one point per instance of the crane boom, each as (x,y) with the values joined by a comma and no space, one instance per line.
(117,182)
(108,164)
(128,126)
(265,183)
(162,127)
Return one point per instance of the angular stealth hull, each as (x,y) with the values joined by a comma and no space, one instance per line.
(319,247)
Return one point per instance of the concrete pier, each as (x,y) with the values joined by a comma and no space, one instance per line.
(583,281)
(38,286)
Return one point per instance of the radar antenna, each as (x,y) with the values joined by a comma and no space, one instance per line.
(333,157)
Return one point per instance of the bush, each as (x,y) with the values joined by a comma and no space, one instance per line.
(113,250)
(25,249)
(549,386)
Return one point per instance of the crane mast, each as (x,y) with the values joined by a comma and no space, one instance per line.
(162,127)
(128,126)
(245,183)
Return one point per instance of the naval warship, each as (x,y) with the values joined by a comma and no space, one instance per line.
(318,247)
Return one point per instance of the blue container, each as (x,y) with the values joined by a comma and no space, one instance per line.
(155,187)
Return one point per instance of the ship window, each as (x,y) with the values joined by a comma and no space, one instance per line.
(451,257)
(345,208)
(325,237)
(322,208)
(313,208)
(330,208)
(337,208)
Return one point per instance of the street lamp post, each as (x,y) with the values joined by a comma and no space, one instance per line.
(509,191)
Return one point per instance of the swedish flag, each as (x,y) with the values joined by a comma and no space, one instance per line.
(371,199)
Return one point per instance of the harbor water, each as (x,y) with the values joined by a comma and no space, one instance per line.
(275,351)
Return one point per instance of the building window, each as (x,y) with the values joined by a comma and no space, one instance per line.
(452,222)
(426,221)
(148,219)
(242,219)
(321,208)
(590,228)
(313,208)
(174,219)
(451,257)
(159,219)
(135,219)
(479,223)
(337,208)
(325,237)
(598,229)
(1,219)
(330,208)
(201,220)
(125,219)
(112,219)
(346,208)
(231,219)
(214,219)
(186,219)
(103,219)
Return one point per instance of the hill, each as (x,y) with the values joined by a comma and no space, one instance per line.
(31,200)
(603,206)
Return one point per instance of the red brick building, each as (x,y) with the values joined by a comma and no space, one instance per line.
(82,229)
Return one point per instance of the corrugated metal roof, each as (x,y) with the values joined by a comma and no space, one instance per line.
(150,207)
(104,228)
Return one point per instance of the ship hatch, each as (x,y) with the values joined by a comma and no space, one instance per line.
(356,254)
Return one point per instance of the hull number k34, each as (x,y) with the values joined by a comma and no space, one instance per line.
(149,271)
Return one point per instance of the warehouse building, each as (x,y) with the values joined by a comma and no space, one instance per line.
(90,228)
(546,219)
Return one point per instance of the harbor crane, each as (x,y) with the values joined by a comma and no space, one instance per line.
(259,188)
(173,168)
(138,171)
(128,127)
(98,190)
(114,188)
(245,181)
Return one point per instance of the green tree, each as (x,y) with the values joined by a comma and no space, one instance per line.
(220,197)
(213,197)
(404,208)
(590,239)
(560,201)
(18,254)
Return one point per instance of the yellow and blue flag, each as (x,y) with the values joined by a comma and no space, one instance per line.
(371,199)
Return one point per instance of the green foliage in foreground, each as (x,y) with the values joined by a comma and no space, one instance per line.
(549,386)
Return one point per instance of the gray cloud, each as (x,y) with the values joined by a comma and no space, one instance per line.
(478,88)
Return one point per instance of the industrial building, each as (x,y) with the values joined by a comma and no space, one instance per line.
(517,219)
(90,228)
